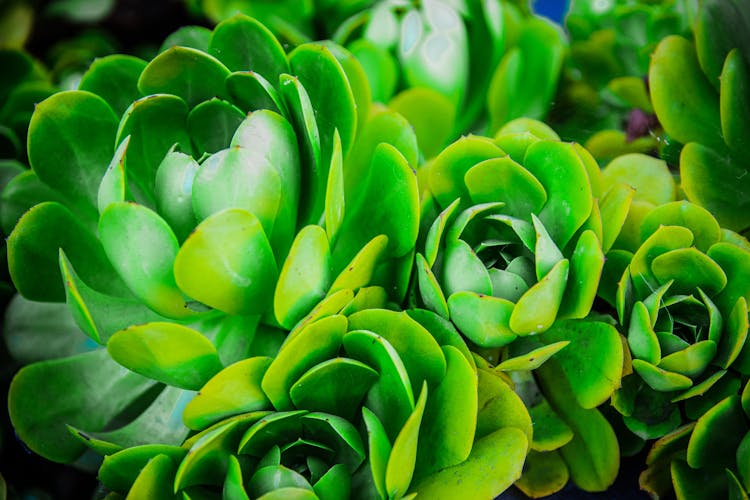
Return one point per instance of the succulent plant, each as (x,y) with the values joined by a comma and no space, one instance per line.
(682,303)
(456,67)
(511,254)
(699,94)
(696,461)
(240,296)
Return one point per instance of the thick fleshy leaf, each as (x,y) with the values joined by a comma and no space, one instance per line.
(173,188)
(391,397)
(208,452)
(684,100)
(313,344)
(97,389)
(335,204)
(734,336)
(499,406)
(33,249)
(734,104)
(431,113)
(251,92)
(272,146)
(234,489)
(119,471)
(114,186)
(706,230)
(274,477)
(464,271)
(447,431)
(524,82)
(275,429)
(550,432)
(242,43)
(649,177)
(334,386)
(158,423)
(418,350)
(115,79)
(212,125)
(446,175)
(593,455)
(592,363)
(75,129)
(586,265)
(660,379)
(305,277)
(707,447)
(227,263)
(495,463)
(735,262)
(387,203)
(502,179)
(484,319)
(155,124)
(22,192)
(99,315)
(329,90)
(235,389)
(401,462)
(527,318)
(709,178)
(195,37)
(167,352)
(146,269)
(359,271)
(533,359)
(188,73)
(664,239)
(562,172)
(379,449)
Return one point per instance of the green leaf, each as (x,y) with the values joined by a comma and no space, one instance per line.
(649,177)
(691,361)
(212,125)
(305,277)
(684,100)
(532,359)
(417,349)
(387,203)
(659,379)
(336,386)
(543,474)
(446,175)
(586,265)
(502,179)
(22,192)
(710,179)
(708,447)
(155,124)
(173,188)
(227,263)
(196,37)
(429,288)
(526,319)
(33,249)
(270,146)
(706,230)
(525,81)
(119,471)
(188,73)
(234,488)
(734,104)
(77,130)
(251,92)
(114,78)
(379,449)
(484,319)
(391,397)
(235,389)
(272,478)
(562,172)
(499,406)
(242,43)
(448,425)
(146,269)
(275,429)
(335,484)
(592,363)
(359,272)
(431,113)
(99,315)
(335,195)
(401,462)
(495,463)
(333,102)
(97,390)
(550,432)
(316,342)
(690,269)
(593,455)
(167,352)
(114,186)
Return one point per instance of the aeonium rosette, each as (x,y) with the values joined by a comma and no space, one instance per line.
(376,404)
(511,254)
(205,203)
(682,304)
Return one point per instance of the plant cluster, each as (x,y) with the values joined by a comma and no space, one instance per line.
(260,266)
